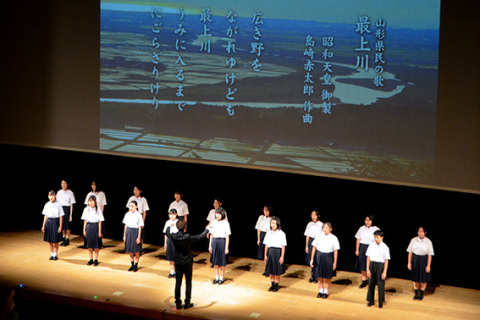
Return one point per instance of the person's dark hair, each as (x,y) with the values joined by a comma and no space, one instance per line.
(329,224)
(173,211)
(52,193)
(92,197)
(181,225)
(371,217)
(317,213)
(222,212)
(269,209)
(135,202)
(378,233)
(277,219)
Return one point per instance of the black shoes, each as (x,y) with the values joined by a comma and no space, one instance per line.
(322,295)
(369,304)
(218,281)
(134,267)
(274,287)
(94,262)
(363,284)
(418,295)
(171,275)
(65,242)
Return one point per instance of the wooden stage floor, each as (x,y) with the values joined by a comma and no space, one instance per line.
(149,293)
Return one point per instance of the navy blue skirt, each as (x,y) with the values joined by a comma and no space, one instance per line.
(219,258)
(324,262)
(418,273)
(308,256)
(273,266)
(131,245)
(92,239)
(361,262)
(66,218)
(51,234)
(170,254)
(261,247)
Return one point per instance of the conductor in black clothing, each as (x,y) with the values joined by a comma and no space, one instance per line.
(183,261)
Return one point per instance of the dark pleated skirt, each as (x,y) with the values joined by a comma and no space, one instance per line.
(324,262)
(261,247)
(273,266)
(361,262)
(131,245)
(51,234)
(92,239)
(170,256)
(219,258)
(418,273)
(308,256)
(66,218)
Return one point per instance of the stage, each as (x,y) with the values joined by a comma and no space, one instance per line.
(148,294)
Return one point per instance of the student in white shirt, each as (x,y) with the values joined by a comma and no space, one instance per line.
(132,234)
(325,252)
(219,243)
(378,256)
(142,206)
(313,228)
(212,215)
(179,205)
(101,203)
(67,199)
(420,252)
(262,227)
(364,238)
(52,224)
(275,243)
(168,244)
(92,229)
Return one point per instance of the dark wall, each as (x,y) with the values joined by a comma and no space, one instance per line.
(398,210)
(50,82)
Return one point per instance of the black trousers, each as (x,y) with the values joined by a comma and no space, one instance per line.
(181,270)
(376,269)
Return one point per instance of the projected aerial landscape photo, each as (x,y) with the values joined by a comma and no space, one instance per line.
(284,86)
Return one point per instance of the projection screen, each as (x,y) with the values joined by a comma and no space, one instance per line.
(345,88)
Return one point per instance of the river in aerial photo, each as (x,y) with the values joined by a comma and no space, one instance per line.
(362,106)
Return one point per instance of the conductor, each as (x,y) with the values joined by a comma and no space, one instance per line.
(183,261)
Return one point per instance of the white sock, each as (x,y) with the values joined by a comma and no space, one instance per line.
(221,278)
(321,290)
(325,291)
(216,277)
(172,272)
(54,254)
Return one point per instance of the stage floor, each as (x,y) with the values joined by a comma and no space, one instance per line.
(149,293)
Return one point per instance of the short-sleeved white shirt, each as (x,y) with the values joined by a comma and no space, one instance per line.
(378,252)
(313,228)
(219,229)
(172,224)
(133,219)
(66,198)
(100,196)
(365,234)
(275,239)
(142,204)
(421,247)
(92,215)
(53,210)
(326,243)
(263,223)
(181,207)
